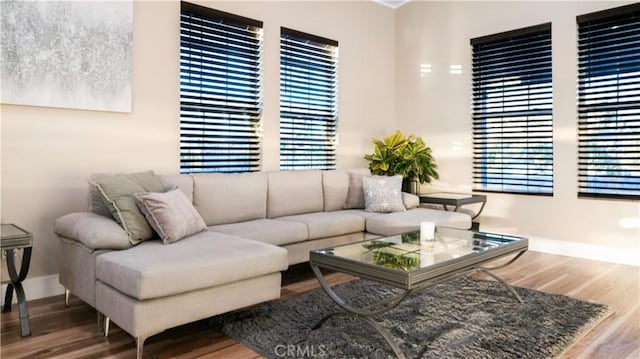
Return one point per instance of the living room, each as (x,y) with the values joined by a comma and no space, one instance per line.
(49,153)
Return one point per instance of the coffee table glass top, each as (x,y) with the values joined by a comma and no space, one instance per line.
(406,262)
(405,252)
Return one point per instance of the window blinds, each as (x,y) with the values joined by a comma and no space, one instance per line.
(308,101)
(512,112)
(220,91)
(609,103)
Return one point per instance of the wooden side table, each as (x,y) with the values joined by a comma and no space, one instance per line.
(13,238)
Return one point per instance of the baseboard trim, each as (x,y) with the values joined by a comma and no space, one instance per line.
(39,287)
(627,256)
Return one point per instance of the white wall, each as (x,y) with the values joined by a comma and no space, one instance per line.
(48,154)
(437,106)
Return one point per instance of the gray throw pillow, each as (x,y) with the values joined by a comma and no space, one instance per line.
(118,193)
(171,214)
(355,194)
(383,194)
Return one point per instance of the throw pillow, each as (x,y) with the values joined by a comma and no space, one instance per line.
(355,194)
(383,194)
(410,200)
(171,214)
(96,201)
(118,193)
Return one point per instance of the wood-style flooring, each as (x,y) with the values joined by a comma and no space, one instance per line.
(71,332)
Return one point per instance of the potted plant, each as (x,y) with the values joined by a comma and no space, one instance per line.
(407,156)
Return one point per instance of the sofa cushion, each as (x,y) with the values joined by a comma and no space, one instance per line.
(184,182)
(92,230)
(118,191)
(294,192)
(170,214)
(229,198)
(360,212)
(266,230)
(328,224)
(399,222)
(383,194)
(335,186)
(206,259)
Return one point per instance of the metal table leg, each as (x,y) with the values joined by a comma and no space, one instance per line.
(509,287)
(16,284)
(480,210)
(363,314)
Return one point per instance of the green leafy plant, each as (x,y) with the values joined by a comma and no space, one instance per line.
(407,156)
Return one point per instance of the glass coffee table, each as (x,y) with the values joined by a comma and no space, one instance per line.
(404,262)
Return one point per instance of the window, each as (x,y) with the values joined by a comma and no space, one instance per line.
(609,103)
(308,101)
(512,112)
(220,91)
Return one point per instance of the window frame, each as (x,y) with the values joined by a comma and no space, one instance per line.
(308,101)
(506,141)
(220,91)
(606,152)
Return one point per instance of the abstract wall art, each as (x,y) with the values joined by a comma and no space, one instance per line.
(69,54)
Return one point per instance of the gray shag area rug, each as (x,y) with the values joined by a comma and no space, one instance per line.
(463,318)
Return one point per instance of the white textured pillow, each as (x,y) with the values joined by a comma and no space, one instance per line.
(383,194)
(171,214)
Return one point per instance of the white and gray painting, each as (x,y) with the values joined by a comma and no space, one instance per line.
(67,54)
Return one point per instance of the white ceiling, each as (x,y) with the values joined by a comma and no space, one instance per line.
(394,4)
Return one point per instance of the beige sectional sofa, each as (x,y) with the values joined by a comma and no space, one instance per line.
(258,224)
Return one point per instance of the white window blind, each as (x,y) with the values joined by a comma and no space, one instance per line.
(609,103)
(220,91)
(512,112)
(308,101)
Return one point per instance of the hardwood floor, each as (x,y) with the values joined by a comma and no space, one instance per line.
(71,332)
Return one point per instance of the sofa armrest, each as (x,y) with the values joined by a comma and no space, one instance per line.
(410,200)
(92,230)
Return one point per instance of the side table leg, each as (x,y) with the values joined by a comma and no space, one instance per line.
(8,298)
(480,210)
(16,283)
(23,311)
(11,268)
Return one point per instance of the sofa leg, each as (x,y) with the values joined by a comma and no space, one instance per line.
(67,292)
(100,321)
(106,326)
(103,324)
(139,346)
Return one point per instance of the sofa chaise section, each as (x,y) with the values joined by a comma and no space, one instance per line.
(200,276)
